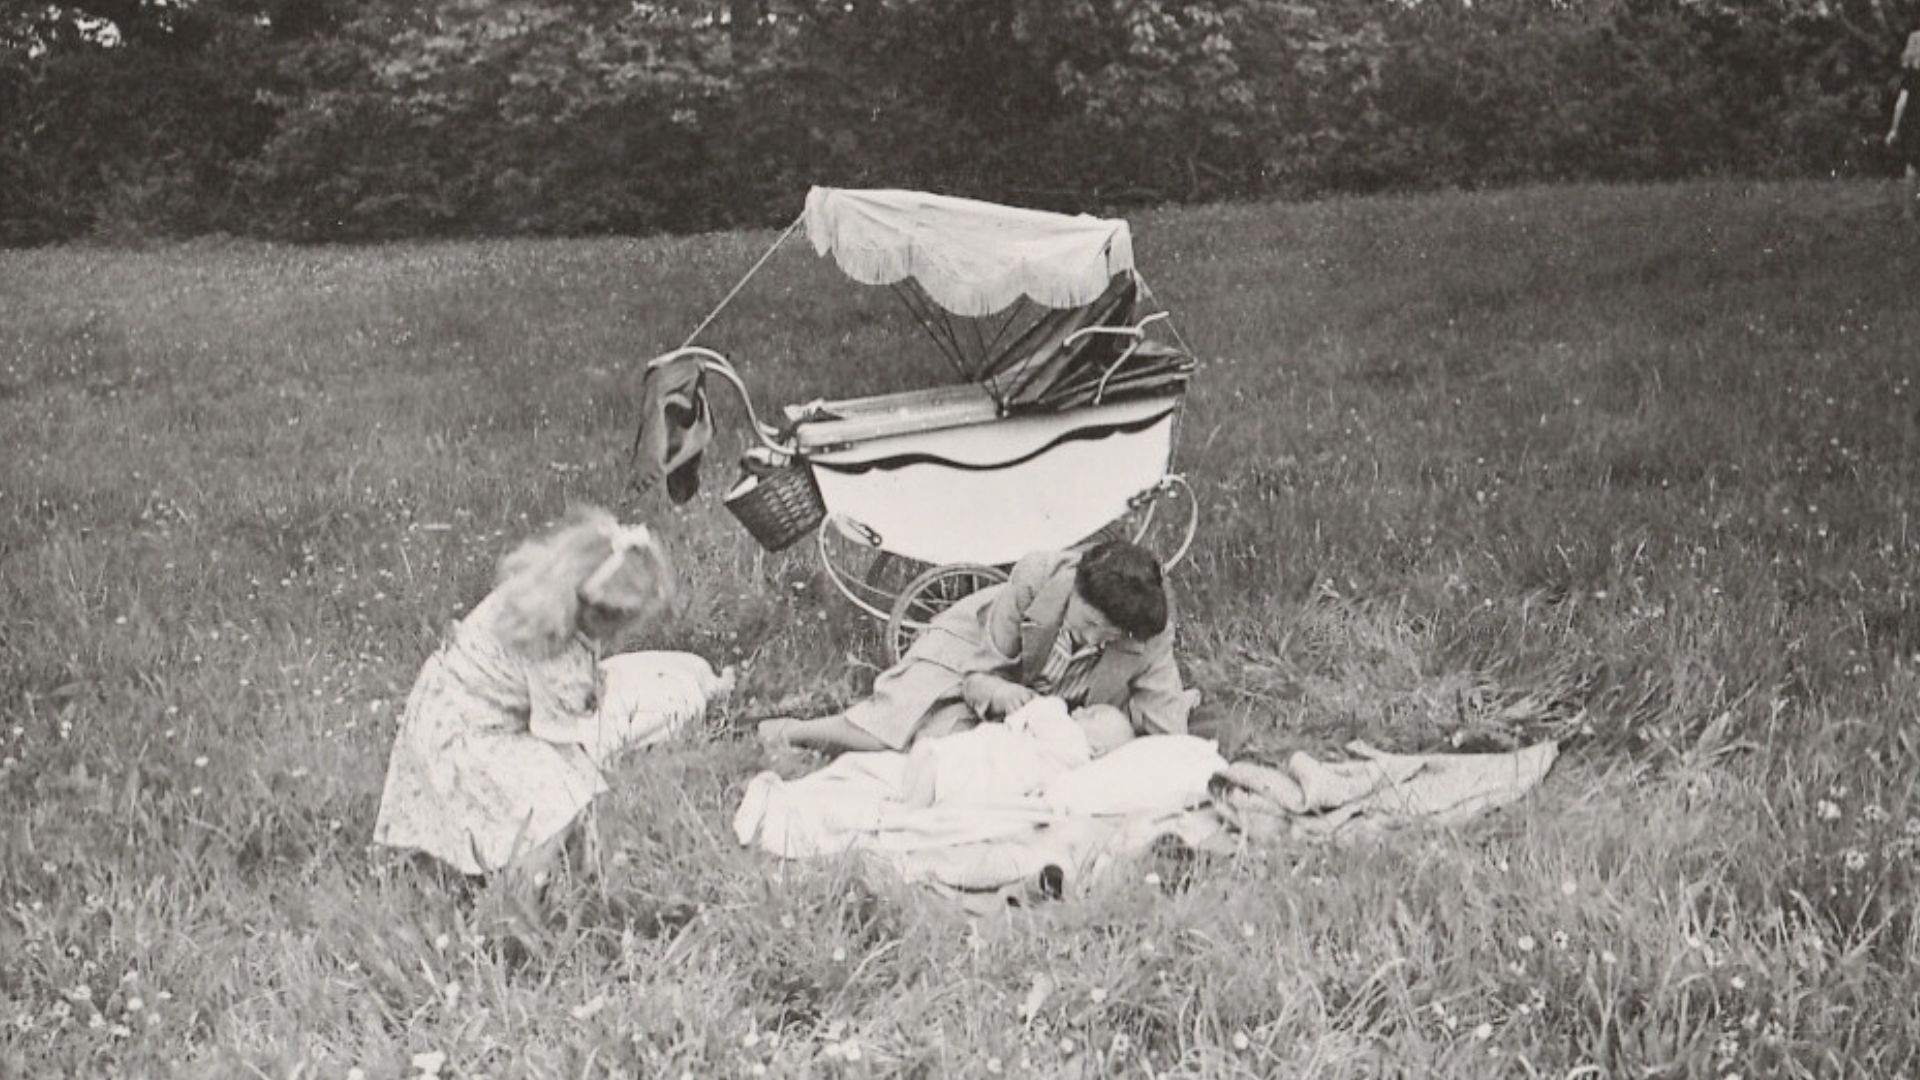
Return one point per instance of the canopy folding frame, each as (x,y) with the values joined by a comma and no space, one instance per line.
(1036,308)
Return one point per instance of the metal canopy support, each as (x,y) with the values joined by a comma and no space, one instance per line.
(742,283)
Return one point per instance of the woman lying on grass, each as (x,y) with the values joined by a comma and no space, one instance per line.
(496,759)
(1092,628)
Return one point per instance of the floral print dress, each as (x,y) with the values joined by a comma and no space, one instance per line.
(489,761)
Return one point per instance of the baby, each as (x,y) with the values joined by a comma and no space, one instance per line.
(1004,762)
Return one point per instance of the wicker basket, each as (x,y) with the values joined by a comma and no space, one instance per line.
(783,507)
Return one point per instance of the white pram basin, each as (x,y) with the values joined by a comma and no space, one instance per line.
(937,483)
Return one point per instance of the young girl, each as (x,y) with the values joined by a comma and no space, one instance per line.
(496,757)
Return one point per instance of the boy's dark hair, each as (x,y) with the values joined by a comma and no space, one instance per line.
(1122,581)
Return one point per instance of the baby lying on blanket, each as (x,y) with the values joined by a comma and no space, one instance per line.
(1001,763)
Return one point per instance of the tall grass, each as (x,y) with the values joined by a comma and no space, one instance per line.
(1633,466)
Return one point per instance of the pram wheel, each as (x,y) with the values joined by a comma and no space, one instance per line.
(930,594)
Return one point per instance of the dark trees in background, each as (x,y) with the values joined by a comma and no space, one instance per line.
(368,119)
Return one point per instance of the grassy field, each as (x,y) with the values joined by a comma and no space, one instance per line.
(1633,464)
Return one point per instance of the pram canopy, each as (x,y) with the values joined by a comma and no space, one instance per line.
(972,258)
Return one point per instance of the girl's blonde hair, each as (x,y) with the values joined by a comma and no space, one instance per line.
(1910,57)
(541,582)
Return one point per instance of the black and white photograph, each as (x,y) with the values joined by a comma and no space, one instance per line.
(1324,539)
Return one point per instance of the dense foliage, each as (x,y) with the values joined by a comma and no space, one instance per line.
(325,119)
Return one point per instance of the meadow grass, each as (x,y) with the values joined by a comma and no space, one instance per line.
(1630,466)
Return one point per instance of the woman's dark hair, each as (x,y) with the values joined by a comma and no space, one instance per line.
(1121,580)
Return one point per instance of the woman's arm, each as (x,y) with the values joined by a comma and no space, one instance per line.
(990,694)
(1899,113)
(1159,702)
(1009,607)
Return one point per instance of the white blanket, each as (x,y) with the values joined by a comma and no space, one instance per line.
(1087,819)
(857,804)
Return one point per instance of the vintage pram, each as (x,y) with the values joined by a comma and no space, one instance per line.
(1060,426)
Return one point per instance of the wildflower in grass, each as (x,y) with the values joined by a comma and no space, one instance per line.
(1561,940)
(1122,1045)
(1726,1047)
(1854,859)
(994,1066)
(1873,814)
(1525,943)
(1240,1041)
(1483,1032)
(839,955)
(430,1063)
(1098,995)
(1827,810)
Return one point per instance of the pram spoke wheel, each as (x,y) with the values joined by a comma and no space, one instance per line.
(930,594)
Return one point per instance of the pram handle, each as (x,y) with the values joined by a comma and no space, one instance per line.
(1135,332)
(717,364)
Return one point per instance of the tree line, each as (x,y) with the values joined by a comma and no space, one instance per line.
(319,120)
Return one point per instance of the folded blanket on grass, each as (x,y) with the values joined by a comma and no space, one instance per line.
(1309,797)
(1084,822)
